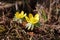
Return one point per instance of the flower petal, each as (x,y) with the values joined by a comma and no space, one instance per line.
(22,13)
(30,15)
(17,15)
(36,16)
(27,19)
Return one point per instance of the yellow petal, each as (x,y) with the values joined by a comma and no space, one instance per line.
(36,16)
(34,21)
(21,16)
(22,13)
(17,13)
(30,15)
(27,19)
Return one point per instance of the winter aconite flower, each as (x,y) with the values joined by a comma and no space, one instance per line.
(31,19)
(20,15)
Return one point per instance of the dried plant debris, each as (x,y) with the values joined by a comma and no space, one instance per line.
(29,19)
(2,29)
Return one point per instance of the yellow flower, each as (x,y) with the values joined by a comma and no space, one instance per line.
(31,19)
(17,15)
(20,15)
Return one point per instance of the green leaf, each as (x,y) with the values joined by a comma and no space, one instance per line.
(19,21)
(29,26)
(44,14)
(15,19)
(32,27)
(38,24)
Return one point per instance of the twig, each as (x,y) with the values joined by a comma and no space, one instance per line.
(16,6)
